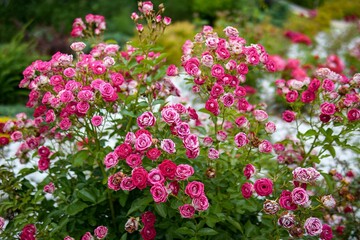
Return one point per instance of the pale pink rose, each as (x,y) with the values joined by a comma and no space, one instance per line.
(207,60)
(270,127)
(78,46)
(147,7)
(100,232)
(168,146)
(159,193)
(147,119)
(184,171)
(134,16)
(241,139)
(143,142)
(249,171)
(191,142)
(231,65)
(187,211)
(170,115)
(96,120)
(111,160)
(299,196)
(305,175)
(211,42)
(194,189)
(155,177)
(49,188)
(16,136)
(200,203)
(313,226)
(183,129)
(208,141)
(130,138)
(167,21)
(260,115)
(231,32)
(265,146)
(328,201)
(213,153)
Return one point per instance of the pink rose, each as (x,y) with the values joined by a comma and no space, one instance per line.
(216,90)
(139,177)
(85,95)
(241,139)
(207,141)
(134,160)
(287,220)
(222,53)
(313,226)
(49,188)
(143,142)
(184,171)
(146,119)
(353,115)
(212,106)
(147,7)
(77,46)
(328,85)
(172,70)
(117,79)
(153,154)
(327,108)
(87,236)
(43,164)
(191,142)
(170,115)
(247,190)
(183,129)
(114,181)
(168,146)
(96,120)
(260,115)
(148,218)
(217,71)
(111,160)
(249,171)
(100,232)
(194,189)
(187,211)
(265,147)
(207,60)
(286,201)
(305,175)
(123,150)
(192,154)
(213,153)
(66,96)
(326,233)
(127,184)
(156,177)
(44,151)
(83,107)
(106,90)
(200,203)
(291,96)
(65,124)
(191,66)
(228,99)
(242,122)
(168,168)
(299,196)
(288,116)
(308,96)
(270,127)
(263,186)
(159,193)
(231,32)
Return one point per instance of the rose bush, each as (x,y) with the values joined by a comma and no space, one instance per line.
(121,161)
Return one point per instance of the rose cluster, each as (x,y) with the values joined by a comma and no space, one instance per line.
(100,232)
(93,25)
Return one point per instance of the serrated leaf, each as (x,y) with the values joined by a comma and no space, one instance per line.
(160,209)
(185,231)
(75,207)
(207,232)
(86,195)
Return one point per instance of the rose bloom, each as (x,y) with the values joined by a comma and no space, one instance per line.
(146,119)
(127,184)
(123,150)
(111,160)
(16,136)
(308,96)
(100,232)
(87,236)
(313,226)
(2,223)
(143,142)
(191,142)
(155,177)
(184,171)
(139,177)
(172,70)
(221,136)
(271,207)
(191,66)
(201,203)
(168,146)
(263,186)
(260,115)
(286,201)
(44,151)
(299,196)
(168,168)
(153,154)
(241,139)
(208,141)
(242,122)
(353,114)
(265,146)
(114,181)
(194,189)
(183,129)
(305,175)
(270,127)
(328,201)
(131,225)
(213,153)
(288,116)
(247,190)
(212,106)
(327,108)
(49,188)
(249,171)
(148,233)
(326,233)
(159,193)
(43,164)
(134,160)
(170,115)
(228,99)
(187,211)
(291,96)
(96,120)
(148,218)
(287,220)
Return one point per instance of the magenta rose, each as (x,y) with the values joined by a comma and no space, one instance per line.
(285,201)
(127,184)
(292,96)
(139,177)
(156,177)
(265,147)
(49,188)
(217,71)
(168,146)
(200,203)
(183,129)
(148,218)
(111,159)
(96,120)
(194,189)
(216,90)
(123,150)
(249,171)
(172,70)
(148,233)
(299,196)
(43,163)
(213,153)
(241,139)
(328,85)
(184,171)
(353,114)
(191,66)
(247,190)
(134,160)
(263,186)
(44,151)
(308,96)
(87,236)
(153,154)
(146,119)
(168,168)
(191,142)
(327,108)
(228,99)
(143,142)
(159,193)
(326,233)
(100,232)
(187,211)
(313,226)
(212,106)
(288,116)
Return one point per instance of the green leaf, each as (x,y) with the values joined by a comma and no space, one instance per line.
(75,207)
(310,132)
(123,198)
(124,236)
(160,209)
(128,113)
(207,232)
(329,181)
(234,223)
(331,149)
(86,195)
(211,221)
(79,158)
(185,231)
(249,228)
(139,204)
